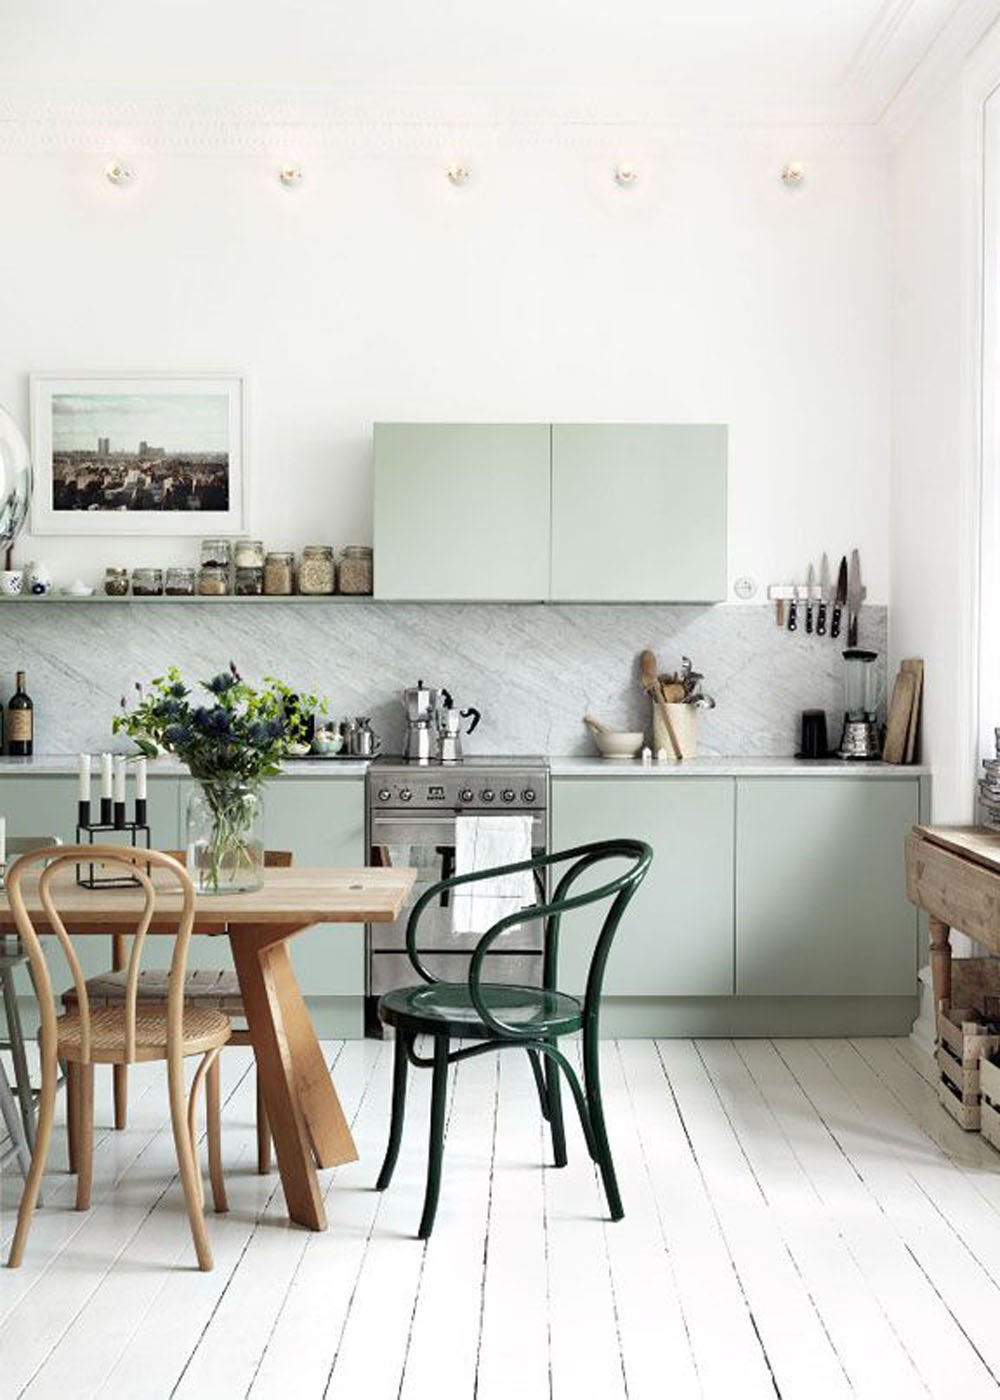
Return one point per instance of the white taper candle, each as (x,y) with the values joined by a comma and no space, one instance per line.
(106,775)
(119,777)
(83,774)
(140,780)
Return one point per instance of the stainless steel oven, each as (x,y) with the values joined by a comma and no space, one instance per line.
(411,810)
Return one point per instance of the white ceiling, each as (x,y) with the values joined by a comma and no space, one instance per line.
(761,60)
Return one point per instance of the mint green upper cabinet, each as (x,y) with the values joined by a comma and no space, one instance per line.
(821,907)
(462,510)
(676,938)
(638,512)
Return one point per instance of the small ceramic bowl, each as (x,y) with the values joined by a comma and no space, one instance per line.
(297,750)
(619,743)
(327,742)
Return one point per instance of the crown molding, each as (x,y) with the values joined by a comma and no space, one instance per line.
(970,21)
(432,121)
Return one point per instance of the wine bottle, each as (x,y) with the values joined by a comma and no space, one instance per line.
(20,721)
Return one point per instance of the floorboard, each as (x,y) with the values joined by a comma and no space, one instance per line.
(802,1220)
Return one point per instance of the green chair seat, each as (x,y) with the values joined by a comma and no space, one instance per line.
(447,1007)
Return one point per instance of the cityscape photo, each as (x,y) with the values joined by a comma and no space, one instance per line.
(140,452)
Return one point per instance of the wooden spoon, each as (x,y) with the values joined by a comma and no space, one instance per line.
(651,684)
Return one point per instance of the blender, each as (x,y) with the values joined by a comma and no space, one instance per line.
(860,736)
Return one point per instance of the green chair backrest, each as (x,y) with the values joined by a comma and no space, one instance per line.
(617,891)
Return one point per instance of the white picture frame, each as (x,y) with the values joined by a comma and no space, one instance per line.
(122,454)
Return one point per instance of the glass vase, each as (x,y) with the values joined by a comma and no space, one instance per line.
(225,851)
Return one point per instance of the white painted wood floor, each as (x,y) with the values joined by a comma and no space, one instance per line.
(802,1220)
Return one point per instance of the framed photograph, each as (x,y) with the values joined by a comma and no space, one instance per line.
(138,454)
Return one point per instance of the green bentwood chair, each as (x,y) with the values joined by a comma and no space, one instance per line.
(500,1015)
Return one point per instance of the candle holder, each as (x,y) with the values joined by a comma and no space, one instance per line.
(138,834)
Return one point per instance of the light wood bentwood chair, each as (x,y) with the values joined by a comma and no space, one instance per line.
(124,1034)
(214,987)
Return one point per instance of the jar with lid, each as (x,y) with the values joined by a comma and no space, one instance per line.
(147,583)
(248,582)
(279,573)
(180,582)
(248,554)
(216,553)
(213,581)
(317,571)
(355,572)
(115,581)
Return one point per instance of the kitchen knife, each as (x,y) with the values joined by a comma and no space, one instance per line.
(793,609)
(810,585)
(853,598)
(840,598)
(824,594)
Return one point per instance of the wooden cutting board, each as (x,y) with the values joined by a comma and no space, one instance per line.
(915,667)
(900,715)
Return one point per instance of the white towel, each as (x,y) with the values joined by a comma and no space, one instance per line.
(481,843)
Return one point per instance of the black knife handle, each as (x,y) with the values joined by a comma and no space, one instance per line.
(793,616)
(809,616)
(821,620)
(835,621)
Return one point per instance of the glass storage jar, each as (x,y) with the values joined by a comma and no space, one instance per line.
(248,554)
(248,581)
(217,553)
(317,571)
(180,582)
(147,583)
(115,581)
(355,572)
(213,581)
(279,573)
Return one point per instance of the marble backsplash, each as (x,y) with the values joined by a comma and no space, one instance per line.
(533,670)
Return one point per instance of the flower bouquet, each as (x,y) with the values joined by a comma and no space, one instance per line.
(231,743)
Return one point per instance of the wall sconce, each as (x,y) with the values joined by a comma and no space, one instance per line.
(793,173)
(119,174)
(625,174)
(459,174)
(291,176)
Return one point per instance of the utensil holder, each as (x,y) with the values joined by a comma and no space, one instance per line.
(684,718)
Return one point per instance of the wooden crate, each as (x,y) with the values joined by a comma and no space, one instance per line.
(989,1107)
(963,1040)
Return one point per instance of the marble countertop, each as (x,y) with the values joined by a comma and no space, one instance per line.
(723,767)
(62,765)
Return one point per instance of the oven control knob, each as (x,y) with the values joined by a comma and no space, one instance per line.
(405,794)
(384,794)
(508,795)
(487,794)
(466,795)
(528,795)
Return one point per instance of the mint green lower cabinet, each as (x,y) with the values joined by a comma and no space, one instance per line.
(40,805)
(821,908)
(677,937)
(322,822)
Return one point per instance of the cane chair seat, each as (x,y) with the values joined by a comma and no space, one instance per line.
(203,1028)
(218,988)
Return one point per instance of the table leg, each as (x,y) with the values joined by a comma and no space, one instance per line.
(940,962)
(302,1105)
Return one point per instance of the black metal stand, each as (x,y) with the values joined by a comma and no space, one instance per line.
(138,836)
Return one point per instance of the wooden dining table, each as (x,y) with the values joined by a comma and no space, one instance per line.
(306,1119)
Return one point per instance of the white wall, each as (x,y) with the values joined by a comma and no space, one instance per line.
(540,291)
(937,308)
